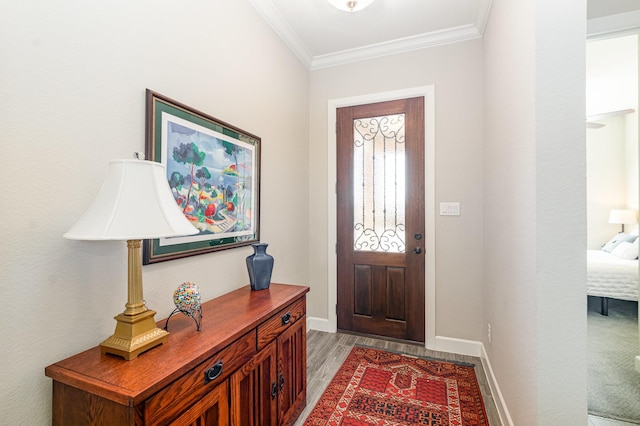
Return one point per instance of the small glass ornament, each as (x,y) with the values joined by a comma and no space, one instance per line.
(187,300)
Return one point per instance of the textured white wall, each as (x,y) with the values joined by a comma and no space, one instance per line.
(509,203)
(454,71)
(72,84)
(534,173)
(561,357)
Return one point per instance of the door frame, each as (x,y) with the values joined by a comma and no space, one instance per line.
(429,139)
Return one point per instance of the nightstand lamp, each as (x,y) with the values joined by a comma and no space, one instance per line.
(620,217)
(134,203)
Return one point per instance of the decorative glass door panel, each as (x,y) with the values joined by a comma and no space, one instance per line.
(379,184)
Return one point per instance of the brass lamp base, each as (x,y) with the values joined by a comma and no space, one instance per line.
(134,334)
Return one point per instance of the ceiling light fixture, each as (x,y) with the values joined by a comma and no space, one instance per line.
(350,5)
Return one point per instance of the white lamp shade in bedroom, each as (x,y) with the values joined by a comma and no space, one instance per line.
(622,217)
(619,217)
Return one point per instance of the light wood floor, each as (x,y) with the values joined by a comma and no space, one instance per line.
(327,351)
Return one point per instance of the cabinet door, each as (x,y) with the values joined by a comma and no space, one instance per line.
(292,372)
(211,410)
(254,391)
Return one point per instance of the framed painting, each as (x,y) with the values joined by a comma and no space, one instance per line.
(213,170)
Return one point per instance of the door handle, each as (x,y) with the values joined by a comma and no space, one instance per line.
(417,250)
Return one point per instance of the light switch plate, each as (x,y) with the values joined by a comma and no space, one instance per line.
(450,208)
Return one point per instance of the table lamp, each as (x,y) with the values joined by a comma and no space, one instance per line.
(620,217)
(134,203)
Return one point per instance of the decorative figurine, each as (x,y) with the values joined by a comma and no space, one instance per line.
(187,300)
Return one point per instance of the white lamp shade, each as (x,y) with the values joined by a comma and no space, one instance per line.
(350,5)
(135,202)
(623,216)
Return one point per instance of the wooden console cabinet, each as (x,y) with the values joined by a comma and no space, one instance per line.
(247,366)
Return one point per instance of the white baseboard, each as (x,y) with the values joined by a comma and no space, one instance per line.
(320,324)
(458,346)
(477,349)
(503,412)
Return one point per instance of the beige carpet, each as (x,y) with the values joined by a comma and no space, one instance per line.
(613,343)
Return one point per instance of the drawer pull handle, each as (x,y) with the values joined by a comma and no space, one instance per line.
(274,390)
(213,372)
(286,318)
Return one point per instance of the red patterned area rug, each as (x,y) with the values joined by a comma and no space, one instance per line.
(376,387)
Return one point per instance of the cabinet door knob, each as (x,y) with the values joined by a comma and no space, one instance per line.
(274,390)
(213,372)
(281,381)
(286,318)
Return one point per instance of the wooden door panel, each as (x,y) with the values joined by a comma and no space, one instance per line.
(396,294)
(363,288)
(380,216)
(391,284)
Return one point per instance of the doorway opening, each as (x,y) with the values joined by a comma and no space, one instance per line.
(612,186)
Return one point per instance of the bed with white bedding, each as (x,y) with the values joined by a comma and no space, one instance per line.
(611,276)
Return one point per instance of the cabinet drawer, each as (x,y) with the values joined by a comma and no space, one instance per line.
(181,394)
(275,325)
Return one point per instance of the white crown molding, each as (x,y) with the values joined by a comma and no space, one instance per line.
(284,30)
(407,44)
(614,25)
(291,39)
(482,15)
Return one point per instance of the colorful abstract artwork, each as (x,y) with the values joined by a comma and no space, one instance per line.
(213,172)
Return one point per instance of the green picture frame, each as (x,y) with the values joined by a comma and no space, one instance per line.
(213,170)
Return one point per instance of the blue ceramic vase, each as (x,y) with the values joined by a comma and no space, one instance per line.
(260,266)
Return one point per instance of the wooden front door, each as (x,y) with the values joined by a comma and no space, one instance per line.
(380,222)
